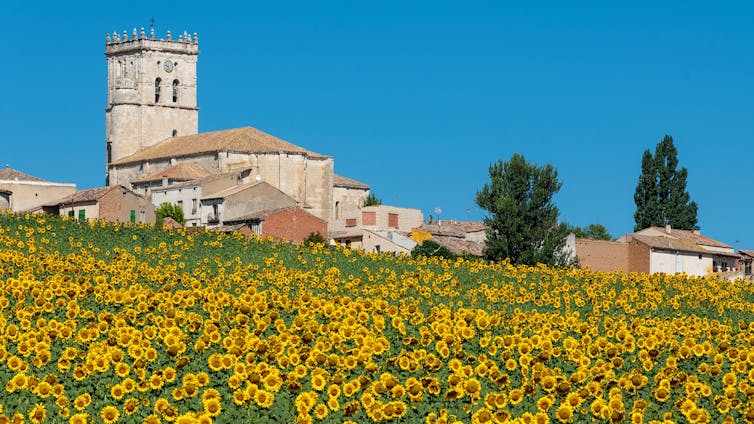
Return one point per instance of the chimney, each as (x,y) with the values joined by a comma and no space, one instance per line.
(668,229)
(697,230)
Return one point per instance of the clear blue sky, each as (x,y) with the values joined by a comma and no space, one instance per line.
(418,98)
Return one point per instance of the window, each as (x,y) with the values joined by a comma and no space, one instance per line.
(133,215)
(377,248)
(662,267)
(337,210)
(351,222)
(157,83)
(679,267)
(392,220)
(175,91)
(193,205)
(369,218)
(180,205)
(82,215)
(175,133)
(71,214)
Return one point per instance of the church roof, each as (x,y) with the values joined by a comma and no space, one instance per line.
(341,181)
(182,171)
(241,140)
(11,174)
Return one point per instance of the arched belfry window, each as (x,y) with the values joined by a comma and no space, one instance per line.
(157,83)
(175,90)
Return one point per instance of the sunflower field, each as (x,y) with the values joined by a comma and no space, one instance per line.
(125,323)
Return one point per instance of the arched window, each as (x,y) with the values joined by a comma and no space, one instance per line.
(175,91)
(337,210)
(157,83)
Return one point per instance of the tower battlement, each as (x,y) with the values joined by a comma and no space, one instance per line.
(151,91)
(138,40)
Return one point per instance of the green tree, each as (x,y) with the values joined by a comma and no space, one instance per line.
(522,222)
(372,200)
(432,248)
(661,197)
(171,210)
(314,238)
(592,231)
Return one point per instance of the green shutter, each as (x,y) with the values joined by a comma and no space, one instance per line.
(82,215)
(70,213)
(133,215)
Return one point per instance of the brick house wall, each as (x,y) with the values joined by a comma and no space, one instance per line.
(603,255)
(116,206)
(639,255)
(293,224)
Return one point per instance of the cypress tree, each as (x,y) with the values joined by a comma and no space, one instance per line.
(661,197)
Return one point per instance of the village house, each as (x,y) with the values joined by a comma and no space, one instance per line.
(28,192)
(183,172)
(348,196)
(378,228)
(658,250)
(238,201)
(188,195)
(111,203)
(460,237)
(746,257)
(6,197)
(287,223)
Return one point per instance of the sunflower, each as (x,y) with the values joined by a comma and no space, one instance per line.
(38,413)
(545,403)
(117,392)
(321,411)
(212,407)
(20,381)
(109,414)
(215,362)
(564,413)
(122,369)
(130,406)
(264,398)
(80,418)
(239,397)
(82,401)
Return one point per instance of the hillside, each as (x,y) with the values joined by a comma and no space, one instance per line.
(129,324)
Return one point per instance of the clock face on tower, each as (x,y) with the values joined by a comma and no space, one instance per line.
(168,66)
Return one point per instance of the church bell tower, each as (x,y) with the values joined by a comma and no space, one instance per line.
(151,91)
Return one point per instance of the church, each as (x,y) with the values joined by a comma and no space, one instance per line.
(152,131)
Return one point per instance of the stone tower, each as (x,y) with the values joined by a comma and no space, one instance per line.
(151,91)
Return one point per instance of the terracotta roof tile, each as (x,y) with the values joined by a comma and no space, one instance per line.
(232,190)
(89,195)
(668,243)
(196,182)
(694,238)
(11,174)
(442,230)
(747,252)
(341,181)
(261,215)
(466,226)
(242,140)
(181,171)
(459,246)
